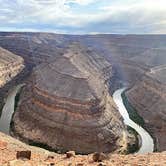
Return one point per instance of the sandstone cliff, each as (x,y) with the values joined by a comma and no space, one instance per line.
(10,66)
(66,105)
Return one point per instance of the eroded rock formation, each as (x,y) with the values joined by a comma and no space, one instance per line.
(66,105)
(10,66)
(131,55)
(149,98)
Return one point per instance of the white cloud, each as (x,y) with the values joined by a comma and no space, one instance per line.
(56,12)
(150,14)
(82,2)
(144,13)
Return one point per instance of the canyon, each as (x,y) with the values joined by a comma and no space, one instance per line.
(69,97)
(148,97)
(69,82)
(10,66)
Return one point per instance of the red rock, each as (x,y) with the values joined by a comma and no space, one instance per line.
(3,145)
(23,155)
(80,164)
(70,154)
(98,157)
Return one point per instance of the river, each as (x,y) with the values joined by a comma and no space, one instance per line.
(8,110)
(147,144)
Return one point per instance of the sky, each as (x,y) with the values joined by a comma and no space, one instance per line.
(84,16)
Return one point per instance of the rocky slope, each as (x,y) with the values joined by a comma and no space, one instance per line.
(9,147)
(66,105)
(140,61)
(149,98)
(35,48)
(10,66)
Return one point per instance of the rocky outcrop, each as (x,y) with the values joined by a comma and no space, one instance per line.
(10,147)
(10,66)
(66,105)
(149,98)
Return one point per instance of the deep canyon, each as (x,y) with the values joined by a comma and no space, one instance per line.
(66,102)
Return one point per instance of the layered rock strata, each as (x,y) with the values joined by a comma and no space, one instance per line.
(10,66)
(149,98)
(66,105)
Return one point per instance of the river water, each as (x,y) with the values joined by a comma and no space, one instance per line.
(8,110)
(147,144)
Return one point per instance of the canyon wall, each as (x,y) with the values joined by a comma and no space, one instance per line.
(148,96)
(135,58)
(10,66)
(66,105)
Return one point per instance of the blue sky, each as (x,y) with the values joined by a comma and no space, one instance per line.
(84,16)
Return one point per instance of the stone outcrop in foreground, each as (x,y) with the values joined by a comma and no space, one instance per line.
(66,106)
(9,148)
(10,66)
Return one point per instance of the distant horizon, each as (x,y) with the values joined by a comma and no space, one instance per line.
(90,34)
